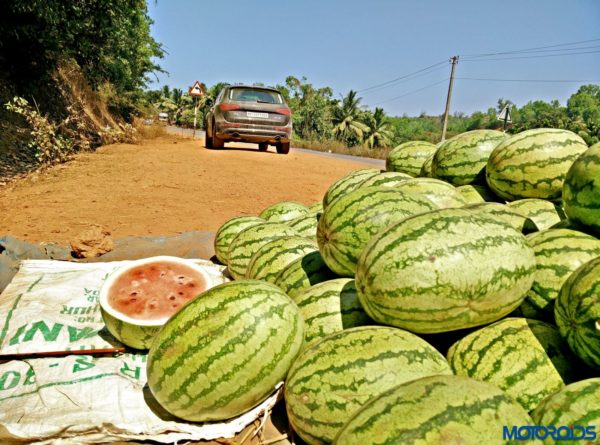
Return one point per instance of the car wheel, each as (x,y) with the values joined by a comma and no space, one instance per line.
(218,142)
(283,148)
(208,141)
(263,146)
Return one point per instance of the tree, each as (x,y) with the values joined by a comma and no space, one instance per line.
(347,126)
(583,109)
(379,133)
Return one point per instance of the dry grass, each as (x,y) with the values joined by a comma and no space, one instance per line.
(338,147)
(149,131)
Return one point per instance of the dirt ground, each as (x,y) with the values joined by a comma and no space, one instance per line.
(163,186)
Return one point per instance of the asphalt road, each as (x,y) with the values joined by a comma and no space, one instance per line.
(380,163)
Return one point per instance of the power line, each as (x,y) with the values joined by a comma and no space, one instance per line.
(526,80)
(413,91)
(532,49)
(529,57)
(406,76)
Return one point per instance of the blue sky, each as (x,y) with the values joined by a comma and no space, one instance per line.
(354,44)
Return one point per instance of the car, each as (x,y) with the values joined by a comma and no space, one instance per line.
(249,113)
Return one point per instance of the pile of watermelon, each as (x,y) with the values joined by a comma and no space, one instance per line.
(454,298)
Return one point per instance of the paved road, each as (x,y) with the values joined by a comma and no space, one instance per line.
(375,162)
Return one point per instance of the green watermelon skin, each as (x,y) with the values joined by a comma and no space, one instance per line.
(442,194)
(283,211)
(229,230)
(330,307)
(444,270)
(575,404)
(306,225)
(224,353)
(349,223)
(533,164)
(527,359)
(386,179)
(304,273)
(409,157)
(348,183)
(558,253)
(581,190)
(544,214)
(461,160)
(426,168)
(331,380)
(477,194)
(249,240)
(271,258)
(577,312)
(315,208)
(504,213)
(437,410)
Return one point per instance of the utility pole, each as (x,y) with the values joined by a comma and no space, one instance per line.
(453,61)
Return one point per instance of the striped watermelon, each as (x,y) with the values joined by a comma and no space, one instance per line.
(304,273)
(350,221)
(442,194)
(577,312)
(581,191)
(222,354)
(544,214)
(409,157)
(229,230)
(133,334)
(441,409)
(533,164)
(346,184)
(306,225)
(444,270)
(386,179)
(315,208)
(333,378)
(476,193)
(284,211)
(504,213)
(527,359)
(272,257)
(558,252)
(330,307)
(462,159)
(577,404)
(249,240)
(426,168)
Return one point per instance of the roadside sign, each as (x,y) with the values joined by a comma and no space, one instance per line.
(505,114)
(196,90)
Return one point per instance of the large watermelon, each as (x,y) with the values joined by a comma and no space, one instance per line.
(225,352)
(330,307)
(284,211)
(444,270)
(409,157)
(386,179)
(442,194)
(346,184)
(462,159)
(272,257)
(526,358)
(350,222)
(558,253)
(304,273)
(229,230)
(533,164)
(249,240)
(577,312)
(581,191)
(436,410)
(331,380)
(544,214)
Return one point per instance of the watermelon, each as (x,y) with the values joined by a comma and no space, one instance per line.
(544,214)
(304,273)
(229,230)
(346,184)
(284,211)
(576,406)
(527,359)
(306,225)
(337,375)
(506,214)
(350,221)
(385,179)
(444,270)
(581,190)
(224,353)
(249,240)
(315,207)
(577,312)
(409,157)
(426,168)
(558,253)
(442,194)
(533,164)
(440,409)
(477,194)
(462,159)
(272,257)
(330,307)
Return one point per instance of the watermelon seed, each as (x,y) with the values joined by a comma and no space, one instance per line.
(172,297)
(180,293)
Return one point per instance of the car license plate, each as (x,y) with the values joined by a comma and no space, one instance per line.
(257,115)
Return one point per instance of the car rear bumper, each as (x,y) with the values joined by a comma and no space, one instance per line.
(236,132)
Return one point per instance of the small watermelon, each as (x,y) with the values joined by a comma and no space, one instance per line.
(544,214)
(306,225)
(409,157)
(229,230)
(442,194)
(284,211)
(426,168)
(346,184)
(506,214)
(304,273)
(385,179)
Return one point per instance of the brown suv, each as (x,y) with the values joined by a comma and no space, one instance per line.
(249,114)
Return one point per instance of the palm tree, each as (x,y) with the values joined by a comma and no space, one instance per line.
(380,133)
(347,126)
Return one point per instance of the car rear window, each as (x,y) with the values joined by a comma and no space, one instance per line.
(254,95)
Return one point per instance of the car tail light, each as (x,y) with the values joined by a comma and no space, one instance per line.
(229,107)
(285,111)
